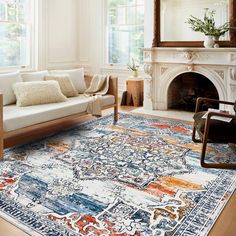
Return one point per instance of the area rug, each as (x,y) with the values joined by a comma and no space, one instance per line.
(139,176)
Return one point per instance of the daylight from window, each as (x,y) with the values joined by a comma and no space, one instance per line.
(14,32)
(125,31)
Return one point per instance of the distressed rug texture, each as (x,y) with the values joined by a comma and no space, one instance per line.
(139,177)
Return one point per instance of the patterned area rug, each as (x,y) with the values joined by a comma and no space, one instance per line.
(138,177)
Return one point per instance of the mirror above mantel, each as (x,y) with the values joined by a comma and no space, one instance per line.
(171,29)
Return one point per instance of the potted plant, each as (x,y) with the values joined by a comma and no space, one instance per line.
(133,67)
(208,27)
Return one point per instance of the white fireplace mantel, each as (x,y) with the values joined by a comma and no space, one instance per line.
(163,65)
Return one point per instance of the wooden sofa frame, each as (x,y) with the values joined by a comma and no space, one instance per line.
(113,90)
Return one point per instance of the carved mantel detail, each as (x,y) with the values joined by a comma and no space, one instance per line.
(221,73)
(186,55)
(147,55)
(148,69)
(148,82)
(233,73)
(163,70)
(190,55)
(163,65)
(190,67)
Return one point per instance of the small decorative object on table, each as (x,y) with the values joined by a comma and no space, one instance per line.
(209,28)
(134,68)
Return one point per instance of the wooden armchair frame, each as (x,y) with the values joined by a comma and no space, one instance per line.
(204,139)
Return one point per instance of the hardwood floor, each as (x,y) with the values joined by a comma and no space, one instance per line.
(7,229)
(224,226)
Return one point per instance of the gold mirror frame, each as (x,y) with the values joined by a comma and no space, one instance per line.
(157,30)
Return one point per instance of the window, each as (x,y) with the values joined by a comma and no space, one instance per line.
(125,31)
(15,33)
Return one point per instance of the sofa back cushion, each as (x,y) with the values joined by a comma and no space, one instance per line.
(34,76)
(77,78)
(65,84)
(6,83)
(38,92)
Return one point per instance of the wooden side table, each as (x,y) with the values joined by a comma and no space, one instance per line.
(134,92)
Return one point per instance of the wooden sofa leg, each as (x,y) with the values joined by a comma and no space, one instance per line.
(1,148)
(115,113)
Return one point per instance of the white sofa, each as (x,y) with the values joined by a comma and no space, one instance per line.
(15,120)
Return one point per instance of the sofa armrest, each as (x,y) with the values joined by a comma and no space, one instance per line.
(113,87)
(113,90)
(1,126)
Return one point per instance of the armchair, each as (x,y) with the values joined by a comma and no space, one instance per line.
(214,131)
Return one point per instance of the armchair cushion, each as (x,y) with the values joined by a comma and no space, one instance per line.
(218,130)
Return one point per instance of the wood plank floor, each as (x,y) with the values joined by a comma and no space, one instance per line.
(224,226)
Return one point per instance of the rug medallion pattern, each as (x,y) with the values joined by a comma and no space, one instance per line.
(138,177)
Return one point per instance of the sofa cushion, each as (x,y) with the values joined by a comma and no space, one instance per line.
(6,83)
(38,92)
(20,117)
(77,78)
(65,84)
(34,76)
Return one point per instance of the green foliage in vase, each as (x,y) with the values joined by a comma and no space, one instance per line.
(208,26)
(133,66)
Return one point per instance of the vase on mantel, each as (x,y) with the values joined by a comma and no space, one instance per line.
(216,39)
(209,41)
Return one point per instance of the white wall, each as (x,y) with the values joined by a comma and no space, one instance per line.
(91,34)
(58,34)
(72,34)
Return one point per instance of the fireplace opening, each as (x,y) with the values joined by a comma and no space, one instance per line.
(186,88)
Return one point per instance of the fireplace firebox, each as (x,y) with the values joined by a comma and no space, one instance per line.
(186,88)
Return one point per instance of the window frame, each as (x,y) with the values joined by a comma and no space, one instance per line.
(33,32)
(118,66)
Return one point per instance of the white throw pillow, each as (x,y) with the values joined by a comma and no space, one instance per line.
(38,92)
(34,76)
(6,82)
(77,78)
(65,84)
